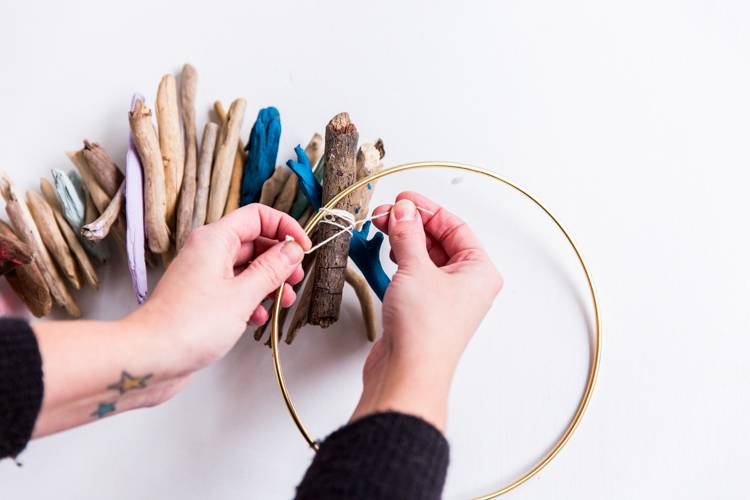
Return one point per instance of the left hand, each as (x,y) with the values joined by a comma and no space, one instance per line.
(214,287)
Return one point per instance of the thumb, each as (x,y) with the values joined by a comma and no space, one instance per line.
(406,234)
(270,270)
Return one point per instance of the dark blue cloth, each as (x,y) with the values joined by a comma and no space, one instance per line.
(262,150)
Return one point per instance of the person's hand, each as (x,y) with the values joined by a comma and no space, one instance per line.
(444,286)
(214,287)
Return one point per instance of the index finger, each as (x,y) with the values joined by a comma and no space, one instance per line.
(256,220)
(443,227)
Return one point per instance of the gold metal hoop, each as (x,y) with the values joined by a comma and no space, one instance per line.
(595,352)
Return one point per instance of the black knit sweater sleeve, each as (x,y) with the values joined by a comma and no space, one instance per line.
(381,456)
(21,385)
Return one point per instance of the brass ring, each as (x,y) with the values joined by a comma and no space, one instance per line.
(595,354)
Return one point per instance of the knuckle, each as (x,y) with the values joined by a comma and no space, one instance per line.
(266,272)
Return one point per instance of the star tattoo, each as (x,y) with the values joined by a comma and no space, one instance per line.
(128,382)
(104,409)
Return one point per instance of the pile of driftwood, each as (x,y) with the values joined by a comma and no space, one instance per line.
(171,185)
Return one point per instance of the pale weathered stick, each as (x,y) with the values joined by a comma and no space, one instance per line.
(52,238)
(99,229)
(285,199)
(170,142)
(84,263)
(102,167)
(233,197)
(186,202)
(226,151)
(155,201)
(362,289)
(27,280)
(274,184)
(340,172)
(100,198)
(368,162)
(208,143)
(24,225)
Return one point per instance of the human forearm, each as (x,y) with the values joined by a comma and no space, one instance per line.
(94,369)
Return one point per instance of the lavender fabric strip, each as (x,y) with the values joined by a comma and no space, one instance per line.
(135,236)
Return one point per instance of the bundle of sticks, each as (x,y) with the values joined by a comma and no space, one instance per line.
(172,184)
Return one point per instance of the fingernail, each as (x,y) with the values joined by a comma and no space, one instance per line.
(405,210)
(292,251)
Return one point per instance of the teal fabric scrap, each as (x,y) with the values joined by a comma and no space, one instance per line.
(366,256)
(262,150)
(70,193)
(301,202)
(308,184)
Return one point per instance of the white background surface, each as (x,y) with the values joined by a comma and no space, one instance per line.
(630,119)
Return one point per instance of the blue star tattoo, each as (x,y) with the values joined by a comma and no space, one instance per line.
(104,409)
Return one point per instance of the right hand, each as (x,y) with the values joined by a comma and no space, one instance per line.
(444,286)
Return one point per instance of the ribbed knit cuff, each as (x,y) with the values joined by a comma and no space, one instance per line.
(381,456)
(21,385)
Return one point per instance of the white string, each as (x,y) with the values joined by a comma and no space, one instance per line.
(330,216)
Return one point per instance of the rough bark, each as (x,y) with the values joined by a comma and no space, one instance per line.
(340,172)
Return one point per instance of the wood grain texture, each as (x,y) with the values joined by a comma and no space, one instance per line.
(226,151)
(203,184)
(186,201)
(85,266)
(154,188)
(102,167)
(24,226)
(340,172)
(235,185)
(53,239)
(99,229)
(171,144)
(27,280)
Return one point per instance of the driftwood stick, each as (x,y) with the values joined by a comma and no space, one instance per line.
(362,289)
(24,225)
(13,253)
(233,197)
(368,162)
(285,199)
(155,196)
(27,280)
(53,239)
(100,198)
(170,142)
(274,184)
(303,308)
(208,143)
(90,211)
(102,167)
(340,172)
(226,151)
(76,248)
(186,202)
(99,229)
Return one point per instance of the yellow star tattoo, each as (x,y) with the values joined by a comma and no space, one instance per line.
(128,382)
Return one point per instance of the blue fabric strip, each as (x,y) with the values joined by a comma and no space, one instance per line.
(262,150)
